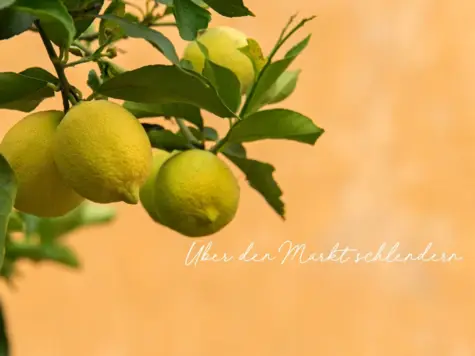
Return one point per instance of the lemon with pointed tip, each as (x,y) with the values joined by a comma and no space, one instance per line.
(196,194)
(223,44)
(28,148)
(103,152)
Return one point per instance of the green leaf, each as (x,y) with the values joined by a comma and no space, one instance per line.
(155,38)
(175,85)
(282,88)
(14,22)
(43,252)
(190,18)
(260,177)
(40,74)
(224,81)
(111,30)
(167,140)
(54,17)
(165,2)
(270,74)
(22,93)
(275,124)
(187,112)
(4,342)
(234,149)
(15,222)
(254,52)
(229,8)
(6,3)
(210,134)
(93,80)
(8,189)
(83,13)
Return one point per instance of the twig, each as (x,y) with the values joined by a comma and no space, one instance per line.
(188,134)
(64,84)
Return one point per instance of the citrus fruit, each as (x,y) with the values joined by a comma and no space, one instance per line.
(28,148)
(222,44)
(196,194)
(103,152)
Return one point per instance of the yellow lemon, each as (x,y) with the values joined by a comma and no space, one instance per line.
(103,152)
(196,194)
(27,147)
(222,44)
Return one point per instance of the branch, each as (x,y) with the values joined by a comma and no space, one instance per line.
(63,81)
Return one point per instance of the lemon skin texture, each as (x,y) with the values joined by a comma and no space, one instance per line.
(147,191)
(196,193)
(223,45)
(28,148)
(103,152)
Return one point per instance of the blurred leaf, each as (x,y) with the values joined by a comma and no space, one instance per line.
(111,30)
(4,342)
(260,177)
(8,189)
(176,85)
(229,8)
(190,18)
(5,3)
(275,124)
(58,23)
(167,140)
(282,88)
(15,222)
(271,74)
(40,74)
(224,81)
(234,149)
(93,80)
(14,22)
(187,112)
(42,253)
(22,93)
(210,134)
(83,12)
(155,38)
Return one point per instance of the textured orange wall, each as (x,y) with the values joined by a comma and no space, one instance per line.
(393,84)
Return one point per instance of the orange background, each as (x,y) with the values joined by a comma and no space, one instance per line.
(393,84)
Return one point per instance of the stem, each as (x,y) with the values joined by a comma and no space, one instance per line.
(89,37)
(79,61)
(163,24)
(90,52)
(215,149)
(64,84)
(187,133)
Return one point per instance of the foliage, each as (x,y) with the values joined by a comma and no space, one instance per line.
(90,30)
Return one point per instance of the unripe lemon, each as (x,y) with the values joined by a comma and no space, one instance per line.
(103,152)
(27,147)
(147,192)
(223,45)
(196,194)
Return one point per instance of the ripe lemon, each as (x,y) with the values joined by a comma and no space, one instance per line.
(27,147)
(147,198)
(103,152)
(196,194)
(223,45)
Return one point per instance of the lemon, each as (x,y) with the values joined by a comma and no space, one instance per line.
(148,189)
(27,147)
(196,194)
(223,45)
(103,152)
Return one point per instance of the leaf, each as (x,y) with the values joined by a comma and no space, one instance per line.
(155,38)
(4,342)
(22,93)
(13,23)
(187,112)
(93,80)
(8,189)
(176,85)
(40,74)
(234,149)
(224,81)
(260,177)
(190,18)
(43,252)
(55,18)
(167,140)
(229,8)
(282,88)
(254,52)
(210,134)
(275,124)
(6,3)
(271,74)
(15,222)
(83,13)
(111,30)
